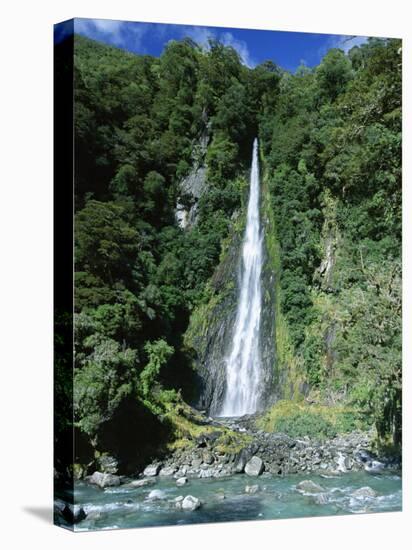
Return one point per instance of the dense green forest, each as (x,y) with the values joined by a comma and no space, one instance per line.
(331,157)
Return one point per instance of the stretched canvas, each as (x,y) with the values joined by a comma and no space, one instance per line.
(227,274)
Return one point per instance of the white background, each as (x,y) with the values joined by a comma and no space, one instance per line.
(26,272)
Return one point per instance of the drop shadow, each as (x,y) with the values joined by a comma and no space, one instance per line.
(43,513)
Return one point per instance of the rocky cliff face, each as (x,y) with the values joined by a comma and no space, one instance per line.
(193,185)
(211,328)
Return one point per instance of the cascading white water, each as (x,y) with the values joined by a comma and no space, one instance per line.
(243,366)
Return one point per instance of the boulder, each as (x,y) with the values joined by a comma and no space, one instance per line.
(181,472)
(156,494)
(308,486)
(241,461)
(254,467)
(151,470)
(374,467)
(142,482)
(181,481)
(190,503)
(251,489)
(178,502)
(72,513)
(196,462)
(348,463)
(320,498)
(209,472)
(208,457)
(167,471)
(364,492)
(103,480)
(94,515)
(108,464)
(340,461)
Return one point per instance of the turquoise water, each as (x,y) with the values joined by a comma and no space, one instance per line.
(123,507)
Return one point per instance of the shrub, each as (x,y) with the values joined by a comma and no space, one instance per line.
(301,424)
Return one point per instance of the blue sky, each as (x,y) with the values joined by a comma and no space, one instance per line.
(287,49)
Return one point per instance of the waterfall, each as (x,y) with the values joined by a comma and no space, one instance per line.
(243,364)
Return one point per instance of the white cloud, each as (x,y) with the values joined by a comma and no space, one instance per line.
(240,46)
(112,31)
(107,25)
(200,35)
(120,33)
(343,42)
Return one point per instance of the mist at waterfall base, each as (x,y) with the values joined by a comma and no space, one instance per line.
(243,365)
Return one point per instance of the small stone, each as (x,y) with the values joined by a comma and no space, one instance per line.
(348,463)
(181,481)
(251,489)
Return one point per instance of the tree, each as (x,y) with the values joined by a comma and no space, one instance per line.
(158,352)
(333,74)
(106,378)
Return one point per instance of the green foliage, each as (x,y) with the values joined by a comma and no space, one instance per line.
(333,160)
(221,159)
(333,74)
(305,424)
(331,139)
(105,379)
(138,276)
(297,419)
(158,353)
(105,241)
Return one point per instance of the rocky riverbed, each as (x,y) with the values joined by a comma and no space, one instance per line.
(258,461)
(256,452)
(274,453)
